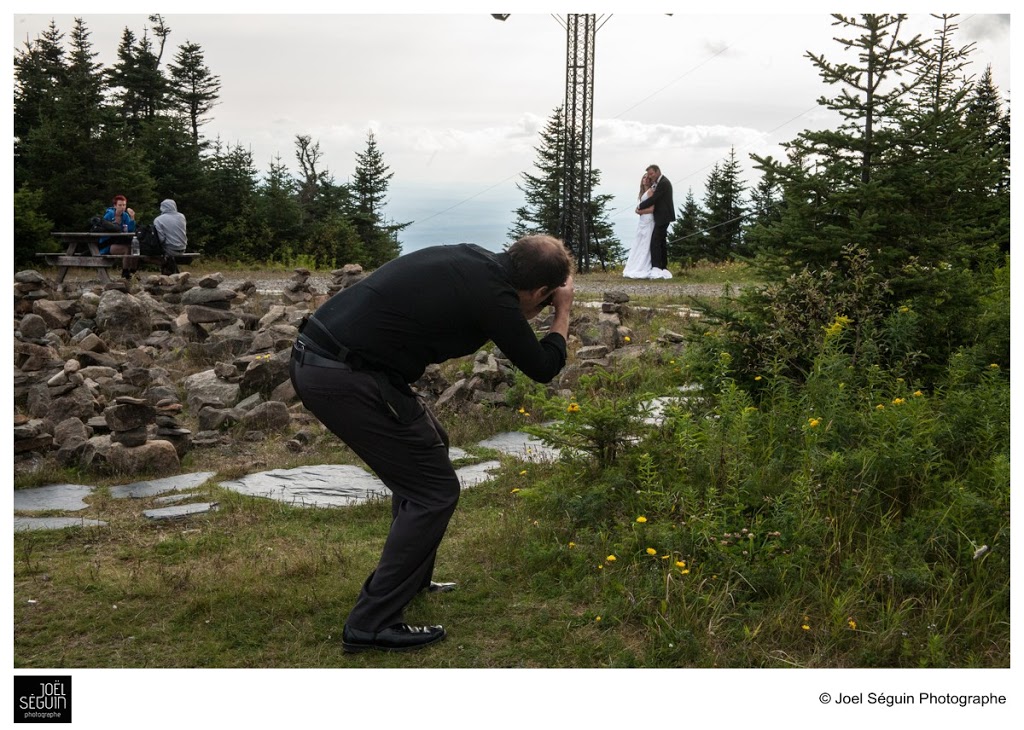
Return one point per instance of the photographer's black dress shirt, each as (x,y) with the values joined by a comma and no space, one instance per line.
(435,304)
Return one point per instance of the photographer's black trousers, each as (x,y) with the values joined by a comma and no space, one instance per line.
(407,447)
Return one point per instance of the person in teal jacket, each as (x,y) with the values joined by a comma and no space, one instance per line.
(124,218)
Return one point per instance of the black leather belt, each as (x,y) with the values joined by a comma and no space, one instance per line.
(305,356)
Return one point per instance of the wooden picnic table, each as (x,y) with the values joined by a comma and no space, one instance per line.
(82,251)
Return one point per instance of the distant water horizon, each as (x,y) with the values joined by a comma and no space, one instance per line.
(449,215)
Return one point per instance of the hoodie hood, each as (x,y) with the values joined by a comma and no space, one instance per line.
(168,206)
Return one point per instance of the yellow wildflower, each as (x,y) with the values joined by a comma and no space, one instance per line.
(879,407)
(918,394)
(680,563)
(573,408)
(685,571)
(600,567)
(522,410)
(522,473)
(626,339)
(757,377)
(652,551)
(904,310)
(515,490)
(805,627)
(597,619)
(852,624)
(571,544)
(665,557)
(898,401)
(813,422)
(611,558)
(993,366)
(837,326)
(641,518)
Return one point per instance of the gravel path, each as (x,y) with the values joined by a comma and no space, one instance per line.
(274,282)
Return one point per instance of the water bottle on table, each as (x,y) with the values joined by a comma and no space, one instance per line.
(135,245)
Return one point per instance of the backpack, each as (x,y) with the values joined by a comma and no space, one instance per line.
(149,241)
(99,224)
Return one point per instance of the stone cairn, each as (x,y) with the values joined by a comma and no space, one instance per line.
(298,290)
(345,277)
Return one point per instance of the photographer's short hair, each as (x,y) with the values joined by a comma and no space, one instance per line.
(539,261)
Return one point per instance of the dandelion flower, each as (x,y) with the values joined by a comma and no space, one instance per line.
(993,366)
(571,545)
(852,624)
(665,557)
(573,408)
(522,410)
(918,394)
(805,627)
(611,558)
(680,563)
(757,377)
(813,422)
(685,571)
(652,551)
(904,310)
(898,401)
(526,414)
(879,407)
(641,519)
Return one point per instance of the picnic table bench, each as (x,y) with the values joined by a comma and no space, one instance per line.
(91,258)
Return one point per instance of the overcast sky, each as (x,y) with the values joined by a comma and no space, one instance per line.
(456,100)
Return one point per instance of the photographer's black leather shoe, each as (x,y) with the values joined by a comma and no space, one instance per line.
(441,587)
(400,637)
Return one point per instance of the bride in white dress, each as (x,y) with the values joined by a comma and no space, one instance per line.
(638,265)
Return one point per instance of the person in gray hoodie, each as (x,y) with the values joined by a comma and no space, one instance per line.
(170,225)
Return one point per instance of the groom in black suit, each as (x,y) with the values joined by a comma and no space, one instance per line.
(664,213)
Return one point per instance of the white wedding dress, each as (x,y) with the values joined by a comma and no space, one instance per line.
(638,265)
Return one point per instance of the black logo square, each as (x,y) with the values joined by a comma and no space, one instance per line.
(40,698)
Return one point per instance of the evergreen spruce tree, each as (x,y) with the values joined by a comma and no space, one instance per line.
(369,190)
(725,208)
(542,211)
(39,71)
(194,88)
(687,241)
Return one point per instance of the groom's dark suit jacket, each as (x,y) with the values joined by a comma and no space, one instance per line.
(661,198)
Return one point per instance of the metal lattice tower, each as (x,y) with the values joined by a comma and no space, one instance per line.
(581,32)
(578,111)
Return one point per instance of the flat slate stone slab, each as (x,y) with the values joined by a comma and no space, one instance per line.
(63,497)
(327,485)
(521,445)
(142,490)
(23,524)
(173,498)
(178,511)
(470,476)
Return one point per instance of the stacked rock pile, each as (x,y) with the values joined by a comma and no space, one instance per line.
(345,277)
